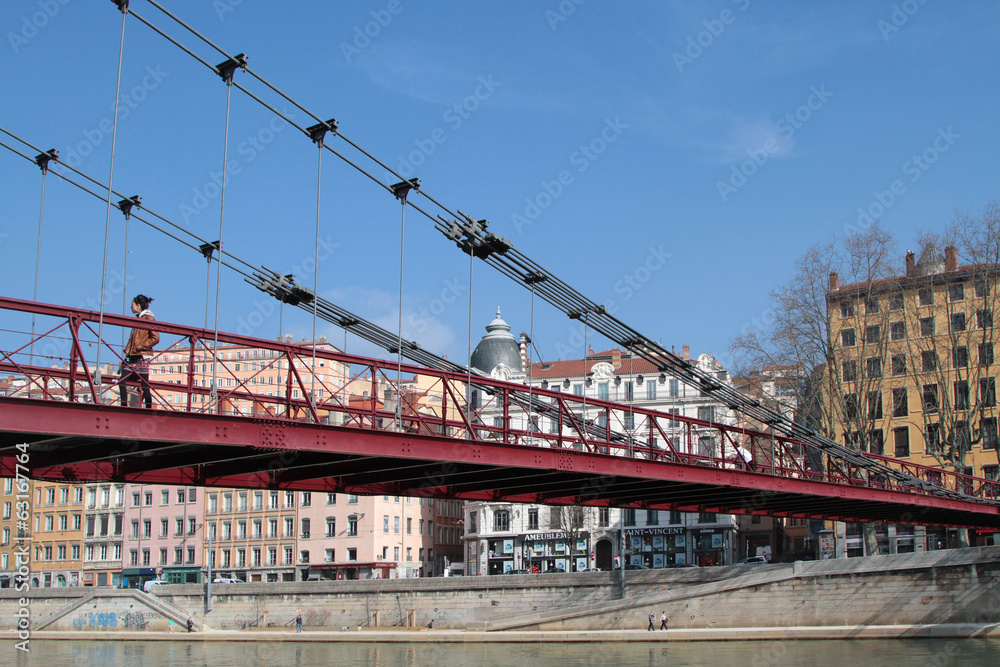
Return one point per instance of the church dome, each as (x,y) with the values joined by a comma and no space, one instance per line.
(498,350)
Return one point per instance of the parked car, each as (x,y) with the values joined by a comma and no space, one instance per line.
(517,572)
(153,585)
(227,580)
(672,565)
(752,560)
(636,567)
(592,569)
(554,570)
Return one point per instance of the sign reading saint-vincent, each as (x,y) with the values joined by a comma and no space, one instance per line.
(654,531)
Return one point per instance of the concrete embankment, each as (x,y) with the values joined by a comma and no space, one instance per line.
(955,591)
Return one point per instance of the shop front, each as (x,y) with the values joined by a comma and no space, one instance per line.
(656,547)
(709,546)
(555,551)
(351,571)
(500,556)
(135,577)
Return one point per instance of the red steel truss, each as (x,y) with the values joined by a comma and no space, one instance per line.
(60,420)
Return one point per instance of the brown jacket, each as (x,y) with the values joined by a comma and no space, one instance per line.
(142,341)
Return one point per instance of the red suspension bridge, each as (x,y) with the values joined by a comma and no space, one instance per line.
(445,433)
(442,445)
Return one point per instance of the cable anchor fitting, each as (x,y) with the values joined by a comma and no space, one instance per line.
(318,131)
(43,159)
(400,190)
(227,69)
(125,205)
(122,5)
(207,249)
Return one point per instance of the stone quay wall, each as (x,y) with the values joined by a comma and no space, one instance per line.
(954,586)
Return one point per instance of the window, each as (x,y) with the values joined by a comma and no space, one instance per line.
(501,521)
(629,421)
(958,322)
(873,367)
(846,309)
(652,518)
(706,413)
(956,292)
(928,361)
(331,498)
(962,395)
(395,525)
(960,357)
(851,406)
(930,394)
(629,391)
(896,301)
(871,306)
(472,522)
(331,527)
(675,388)
(307,499)
(988,392)
(986,354)
(847,337)
(876,442)
(982,289)
(305,528)
(926,297)
(984,319)
(900,402)
(602,391)
(873,334)
(578,389)
(901,442)
(533,518)
(352,526)
(651,391)
(706,517)
(849,371)
(628,516)
(874,405)
(897,330)
(990,433)
(385,524)
(604,517)
(927,326)
(899,364)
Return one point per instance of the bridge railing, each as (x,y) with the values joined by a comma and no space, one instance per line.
(54,353)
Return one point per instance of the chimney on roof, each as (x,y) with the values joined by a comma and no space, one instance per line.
(834,281)
(951,258)
(686,352)
(911,262)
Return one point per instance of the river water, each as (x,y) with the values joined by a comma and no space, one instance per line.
(842,653)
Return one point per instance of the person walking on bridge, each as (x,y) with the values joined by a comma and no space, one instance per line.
(663,620)
(137,353)
(652,617)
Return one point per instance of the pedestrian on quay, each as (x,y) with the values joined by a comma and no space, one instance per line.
(652,617)
(137,354)
(298,622)
(190,624)
(663,620)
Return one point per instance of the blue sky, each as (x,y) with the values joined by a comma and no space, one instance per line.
(673,157)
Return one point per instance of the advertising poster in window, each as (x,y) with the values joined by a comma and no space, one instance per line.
(679,542)
(559,548)
(581,564)
(658,560)
(717,541)
(581,546)
(657,542)
(508,547)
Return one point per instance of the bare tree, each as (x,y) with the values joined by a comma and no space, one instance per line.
(829,327)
